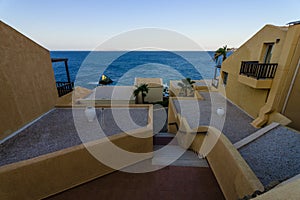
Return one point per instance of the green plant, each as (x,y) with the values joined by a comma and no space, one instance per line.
(143,89)
(221,52)
(186,85)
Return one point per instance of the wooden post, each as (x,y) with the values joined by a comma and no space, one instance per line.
(67,70)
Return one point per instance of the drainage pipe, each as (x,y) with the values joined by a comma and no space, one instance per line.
(291,87)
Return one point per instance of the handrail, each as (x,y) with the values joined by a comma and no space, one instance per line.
(258,70)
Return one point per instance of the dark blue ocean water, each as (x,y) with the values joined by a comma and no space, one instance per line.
(122,67)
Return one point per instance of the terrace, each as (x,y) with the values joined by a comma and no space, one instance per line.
(63,88)
(59,128)
(110,95)
(244,151)
(257,75)
(50,152)
(57,147)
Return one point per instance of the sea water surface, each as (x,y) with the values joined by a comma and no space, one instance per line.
(122,67)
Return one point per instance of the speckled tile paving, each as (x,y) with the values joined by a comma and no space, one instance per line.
(275,156)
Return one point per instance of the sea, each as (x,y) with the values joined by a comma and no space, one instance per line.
(86,67)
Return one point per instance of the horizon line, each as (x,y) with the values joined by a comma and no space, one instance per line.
(127,50)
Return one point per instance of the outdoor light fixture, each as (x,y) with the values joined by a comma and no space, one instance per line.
(221,112)
(90,113)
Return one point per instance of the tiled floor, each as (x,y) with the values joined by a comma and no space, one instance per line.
(171,182)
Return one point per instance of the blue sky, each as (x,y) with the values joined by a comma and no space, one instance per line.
(84,24)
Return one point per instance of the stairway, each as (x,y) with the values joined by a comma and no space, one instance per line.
(169,155)
(164,138)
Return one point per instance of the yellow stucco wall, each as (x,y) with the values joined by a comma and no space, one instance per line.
(286,69)
(155,86)
(71,98)
(289,191)
(52,173)
(258,101)
(292,109)
(235,177)
(26,80)
(250,99)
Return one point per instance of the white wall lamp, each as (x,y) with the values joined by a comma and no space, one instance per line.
(221,112)
(90,113)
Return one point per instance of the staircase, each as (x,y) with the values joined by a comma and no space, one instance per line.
(169,155)
(164,138)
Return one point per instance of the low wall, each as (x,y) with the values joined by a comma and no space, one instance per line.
(235,177)
(71,98)
(172,117)
(55,172)
(155,94)
(289,191)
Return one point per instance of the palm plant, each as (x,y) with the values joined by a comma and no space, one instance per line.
(142,89)
(221,52)
(186,85)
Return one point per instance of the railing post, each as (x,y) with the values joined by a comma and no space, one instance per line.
(259,71)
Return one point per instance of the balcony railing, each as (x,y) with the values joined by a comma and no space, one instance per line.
(64,88)
(258,70)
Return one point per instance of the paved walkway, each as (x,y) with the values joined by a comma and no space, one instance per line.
(171,182)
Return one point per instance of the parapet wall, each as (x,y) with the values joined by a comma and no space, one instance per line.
(233,174)
(235,178)
(27,80)
(52,173)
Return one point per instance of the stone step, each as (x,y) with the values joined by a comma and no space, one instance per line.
(164,139)
(169,156)
(164,134)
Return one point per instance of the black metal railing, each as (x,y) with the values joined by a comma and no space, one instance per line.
(64,88)
(258,70)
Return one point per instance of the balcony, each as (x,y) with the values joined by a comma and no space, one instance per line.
(64,88)
(257,75)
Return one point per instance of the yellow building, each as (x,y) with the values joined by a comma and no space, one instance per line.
(262,76)
(29,96)
(155,86)
(31,108)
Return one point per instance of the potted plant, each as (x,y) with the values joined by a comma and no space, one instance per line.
(140,93)
(186,85)
(223,51)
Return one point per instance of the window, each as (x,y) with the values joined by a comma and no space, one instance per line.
(268,52)
(224,77)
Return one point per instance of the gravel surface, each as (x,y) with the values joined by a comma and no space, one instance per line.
(275,156)
(59,129)
(235,124)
